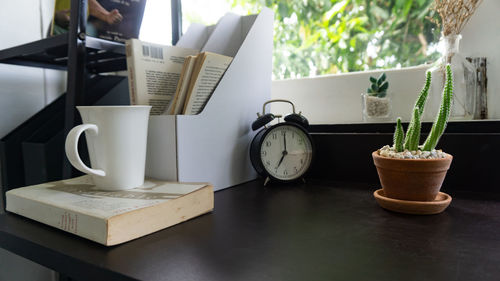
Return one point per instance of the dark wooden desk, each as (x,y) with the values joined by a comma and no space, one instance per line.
(315,231)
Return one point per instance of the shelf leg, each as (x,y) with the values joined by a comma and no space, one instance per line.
(76,70)
(175,6)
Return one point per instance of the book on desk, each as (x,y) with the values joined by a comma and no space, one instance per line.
(111,218)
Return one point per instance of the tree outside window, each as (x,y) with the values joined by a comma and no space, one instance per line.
(314,37)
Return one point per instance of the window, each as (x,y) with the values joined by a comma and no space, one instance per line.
(318,37)
(157,16)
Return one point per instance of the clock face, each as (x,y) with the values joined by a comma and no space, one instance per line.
(286,152)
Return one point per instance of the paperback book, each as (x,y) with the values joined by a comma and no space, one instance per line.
(110,218)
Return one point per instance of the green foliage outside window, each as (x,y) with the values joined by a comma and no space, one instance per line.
(314,37)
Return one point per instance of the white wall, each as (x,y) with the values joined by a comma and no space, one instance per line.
(336,98)
(23,92)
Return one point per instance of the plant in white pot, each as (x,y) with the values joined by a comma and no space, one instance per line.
(411,175)
(375,102)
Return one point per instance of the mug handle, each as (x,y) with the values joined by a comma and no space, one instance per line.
(71,148)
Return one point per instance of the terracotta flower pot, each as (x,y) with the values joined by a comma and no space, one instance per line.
(411,179)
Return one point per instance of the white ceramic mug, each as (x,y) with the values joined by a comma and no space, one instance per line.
(116,140)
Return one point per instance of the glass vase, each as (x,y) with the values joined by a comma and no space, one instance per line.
(375,109)
(464,82)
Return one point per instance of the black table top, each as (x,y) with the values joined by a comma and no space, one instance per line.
(313,231)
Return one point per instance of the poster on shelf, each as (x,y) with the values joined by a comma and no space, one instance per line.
(115,20)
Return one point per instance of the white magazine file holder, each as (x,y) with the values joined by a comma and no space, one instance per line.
(213,145)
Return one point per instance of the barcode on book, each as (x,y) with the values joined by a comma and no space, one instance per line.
(153,52)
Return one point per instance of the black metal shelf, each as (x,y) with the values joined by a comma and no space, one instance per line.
(101,55)
(82,56)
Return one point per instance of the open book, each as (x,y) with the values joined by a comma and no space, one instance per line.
(200,75)
(173,80)
(114,217)
(177,105)
(153,72)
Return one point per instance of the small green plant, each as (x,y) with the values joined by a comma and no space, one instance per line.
(410,142)
(378,87)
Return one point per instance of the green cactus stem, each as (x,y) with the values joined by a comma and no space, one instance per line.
(413,134)
(443,115)
(422,98)
(420,103)
(398,136)
(409,132)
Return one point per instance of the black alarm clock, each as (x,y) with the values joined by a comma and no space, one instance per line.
(282,152)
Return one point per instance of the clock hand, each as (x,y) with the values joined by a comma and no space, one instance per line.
(282,157)
(281,160)
(284,139)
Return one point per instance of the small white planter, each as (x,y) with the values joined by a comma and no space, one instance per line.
(375,108)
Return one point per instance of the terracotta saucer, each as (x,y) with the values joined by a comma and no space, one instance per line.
(439,204)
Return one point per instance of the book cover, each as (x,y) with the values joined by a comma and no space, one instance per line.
(116,20)
(110,218)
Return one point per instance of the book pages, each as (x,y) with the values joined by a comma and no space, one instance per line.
(154,71)
(209,69)
(177,104)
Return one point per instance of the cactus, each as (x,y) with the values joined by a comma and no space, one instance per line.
(378,87)
(422,98)
(398,136)
(444,113)
(413,134)
(420,103)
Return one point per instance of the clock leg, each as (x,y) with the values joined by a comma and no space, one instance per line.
(266,181)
